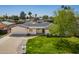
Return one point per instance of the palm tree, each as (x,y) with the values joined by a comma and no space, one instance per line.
(35,15)
(23,16)
(69,7)
(30,15)
(62,6)
(66,7)
(35,18)
(5,16)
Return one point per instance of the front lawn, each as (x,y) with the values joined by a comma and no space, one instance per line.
(53,45)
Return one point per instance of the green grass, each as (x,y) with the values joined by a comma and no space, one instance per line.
(54,45)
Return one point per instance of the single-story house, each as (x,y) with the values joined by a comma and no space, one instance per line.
(35,27)
(6,26)
(2,26)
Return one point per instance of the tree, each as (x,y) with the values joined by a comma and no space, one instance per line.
(30,15)
(35,15)
(45,17)
(15,18)
(5,16)
(65,7)
(51,19)
(62,6)
(35,18)
(66,22)
(23,15)
(1,18)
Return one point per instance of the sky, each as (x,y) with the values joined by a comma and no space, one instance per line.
(35,9)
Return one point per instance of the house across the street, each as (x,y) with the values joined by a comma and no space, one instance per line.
(6,26)
(36,28)
(2,26)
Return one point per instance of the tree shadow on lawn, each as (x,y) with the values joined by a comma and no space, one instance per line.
(63,44)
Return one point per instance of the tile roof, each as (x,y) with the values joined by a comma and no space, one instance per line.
(2,25)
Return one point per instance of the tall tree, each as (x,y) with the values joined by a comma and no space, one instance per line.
(15,18)
(65,20)
(65,7)
(62,6)
(35,15)
(30,13)
(5,16)
(35,18)
(23,15)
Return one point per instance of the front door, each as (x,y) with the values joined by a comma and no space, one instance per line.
(40,31)
(18,31)
(43,30)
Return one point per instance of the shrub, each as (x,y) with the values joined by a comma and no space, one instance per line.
(75,48)
(2,32)
(49,35)
(54,29)
(62,43)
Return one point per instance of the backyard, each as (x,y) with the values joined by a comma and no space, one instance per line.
(52,45)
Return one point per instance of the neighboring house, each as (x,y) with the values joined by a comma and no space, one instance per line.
(36,28)
(2,26)
(6,26)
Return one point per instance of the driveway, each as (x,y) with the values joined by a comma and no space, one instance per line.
(13,44)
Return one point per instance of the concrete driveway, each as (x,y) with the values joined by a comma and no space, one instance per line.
(13,44)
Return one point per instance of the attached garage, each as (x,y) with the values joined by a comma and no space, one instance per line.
(18,31)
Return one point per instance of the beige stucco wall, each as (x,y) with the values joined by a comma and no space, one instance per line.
(27,30)
(19,30)
(39,30)
(35,31)
(46,31)
(31,31)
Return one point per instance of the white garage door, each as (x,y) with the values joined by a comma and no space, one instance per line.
(18,31)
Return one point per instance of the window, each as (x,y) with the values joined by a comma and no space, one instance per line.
(30,30)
